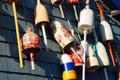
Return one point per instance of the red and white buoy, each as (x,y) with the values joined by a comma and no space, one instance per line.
(68,68)
(30,43)
(76,55)
(73,3)
(61,34)
(41,20)
(58,3)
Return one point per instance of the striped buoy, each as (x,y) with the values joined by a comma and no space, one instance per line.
(68,68)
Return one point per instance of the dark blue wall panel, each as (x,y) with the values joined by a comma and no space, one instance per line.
(47,64)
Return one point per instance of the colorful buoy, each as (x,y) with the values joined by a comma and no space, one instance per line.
(30,43)
(61,34)
(68,68)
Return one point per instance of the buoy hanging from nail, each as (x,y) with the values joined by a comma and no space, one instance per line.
(68,68)
(61,34)
(92,63)
(42,20)
(73,3)
(75,53)
(17,30)
(58,3)
(85,26)
(106,32)
(30,44)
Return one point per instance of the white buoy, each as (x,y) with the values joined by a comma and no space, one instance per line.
(85,27)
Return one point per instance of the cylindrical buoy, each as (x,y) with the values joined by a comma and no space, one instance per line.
(68,68)
(41,15)
(86,20)
(102,54)
(17,30)
(61,34)
(106,31)
(76,56)
(91,60)
(41,20)
(30,42)
(58,3)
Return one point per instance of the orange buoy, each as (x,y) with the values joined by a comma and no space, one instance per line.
(30,44)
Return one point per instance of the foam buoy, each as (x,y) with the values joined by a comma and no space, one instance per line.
(76,55)
(17,30)
(30,42)
(106,32)
(85,26)
(61,34)
(41,20)
(91,60)
(86,20)
(68,68)
(102,54)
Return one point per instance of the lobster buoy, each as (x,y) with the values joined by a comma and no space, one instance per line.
(68,68)
(76,55)
(41,20)
(86,20)
(41,15)
(106,31)
(61,34)
(91,60)
(30,44)
(102,54)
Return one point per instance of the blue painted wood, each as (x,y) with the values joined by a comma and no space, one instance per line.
(47,64)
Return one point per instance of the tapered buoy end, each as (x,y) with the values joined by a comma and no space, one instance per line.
(61,34)
(56,2)
(68,68)
(10,1)
(41,16)
(106,31)
(86,21)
